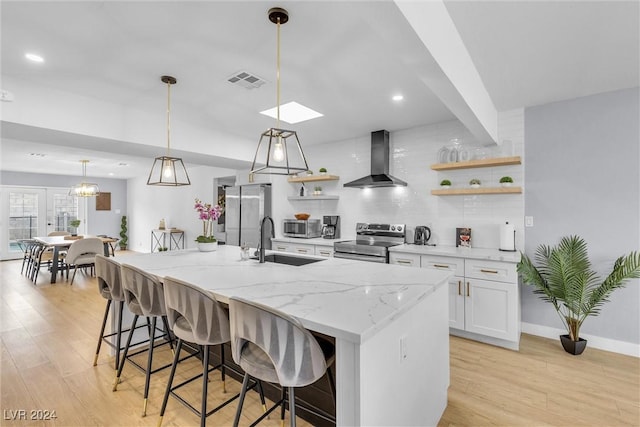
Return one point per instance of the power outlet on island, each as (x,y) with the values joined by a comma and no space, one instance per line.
(403,348)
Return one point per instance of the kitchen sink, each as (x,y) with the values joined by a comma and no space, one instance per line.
(289,260)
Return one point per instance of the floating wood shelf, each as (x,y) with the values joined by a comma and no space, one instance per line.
(480,163)
(321,197)
(472,191)
(313,178)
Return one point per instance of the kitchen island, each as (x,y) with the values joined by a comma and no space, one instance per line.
(390,323)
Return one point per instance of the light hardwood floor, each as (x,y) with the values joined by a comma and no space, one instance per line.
(49,332)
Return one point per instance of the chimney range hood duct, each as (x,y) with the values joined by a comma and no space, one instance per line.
(379,165)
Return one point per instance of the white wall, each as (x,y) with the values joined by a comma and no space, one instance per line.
(148,204)
(583,178)
(412,153)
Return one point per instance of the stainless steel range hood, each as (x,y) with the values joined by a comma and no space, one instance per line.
(379,165)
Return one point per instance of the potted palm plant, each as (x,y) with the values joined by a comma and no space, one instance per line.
(563,277)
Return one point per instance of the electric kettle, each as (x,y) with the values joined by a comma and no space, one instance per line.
(422,235)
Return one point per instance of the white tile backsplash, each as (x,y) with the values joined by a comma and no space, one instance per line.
(412,151)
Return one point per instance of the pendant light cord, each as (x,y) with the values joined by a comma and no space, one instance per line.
(168,118)
(278,78)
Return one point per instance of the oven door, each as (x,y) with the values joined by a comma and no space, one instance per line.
(360,257)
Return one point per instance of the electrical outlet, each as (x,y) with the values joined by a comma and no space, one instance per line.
(528,221)
(403,348)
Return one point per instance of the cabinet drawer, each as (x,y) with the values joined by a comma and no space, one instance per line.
(325,251)
(455,265)
(303,249)
(281,247)
(491,270)
(408,260)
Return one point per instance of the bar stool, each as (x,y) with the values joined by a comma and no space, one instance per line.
(110,288)
(196,317)
(144,296)
(273,346)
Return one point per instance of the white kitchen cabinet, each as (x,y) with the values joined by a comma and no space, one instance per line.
(408,260)
(325,251)
(484,299)
(302,248)
(281,247)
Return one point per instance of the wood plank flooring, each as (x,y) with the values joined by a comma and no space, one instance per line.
(49,333)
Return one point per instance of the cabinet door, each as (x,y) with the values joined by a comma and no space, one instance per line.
(303,249)
(325,251)
(491,308)
(456,302)
(281,247)
(408,260)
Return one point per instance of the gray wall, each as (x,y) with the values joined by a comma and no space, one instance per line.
(99,222)
(582,177)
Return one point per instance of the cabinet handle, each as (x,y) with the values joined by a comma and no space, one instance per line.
(459,283)
(302,251)
(281,248)
(440,266)
(403,261)
(468,289)
(325,253)
(489,271)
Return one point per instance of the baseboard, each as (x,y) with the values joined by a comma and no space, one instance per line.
(622,347)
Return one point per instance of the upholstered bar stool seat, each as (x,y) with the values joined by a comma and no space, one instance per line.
(273,346)
(195,316)
(144,295)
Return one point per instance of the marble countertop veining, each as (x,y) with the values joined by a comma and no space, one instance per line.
(452,251)
(343,298)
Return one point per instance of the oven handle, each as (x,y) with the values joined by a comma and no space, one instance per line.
(369,258)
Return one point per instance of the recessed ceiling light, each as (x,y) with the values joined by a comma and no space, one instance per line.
(33,57)
(37,154)
(123,164)
(292,113)
(111,174)
(397,97)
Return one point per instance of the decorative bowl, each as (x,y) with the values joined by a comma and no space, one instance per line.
(302,216)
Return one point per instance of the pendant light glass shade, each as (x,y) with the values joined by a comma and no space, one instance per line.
(279,151)
(168,170)
(84,189)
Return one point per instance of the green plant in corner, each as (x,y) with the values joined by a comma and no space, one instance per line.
(506,179)
(123,233)
(563,277)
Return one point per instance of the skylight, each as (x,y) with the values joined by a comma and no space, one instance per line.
(293,113)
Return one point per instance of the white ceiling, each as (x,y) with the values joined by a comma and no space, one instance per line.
(344,59)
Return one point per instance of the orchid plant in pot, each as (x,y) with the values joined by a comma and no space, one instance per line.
(207,213)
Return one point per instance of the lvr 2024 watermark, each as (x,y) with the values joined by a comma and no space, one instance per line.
(28,414)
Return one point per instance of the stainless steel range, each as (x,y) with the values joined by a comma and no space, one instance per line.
(372,242)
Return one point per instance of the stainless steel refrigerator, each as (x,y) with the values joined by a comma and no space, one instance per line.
(246,205)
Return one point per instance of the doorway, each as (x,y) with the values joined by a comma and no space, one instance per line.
(27,212)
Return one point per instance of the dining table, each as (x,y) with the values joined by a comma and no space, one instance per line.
(62,242)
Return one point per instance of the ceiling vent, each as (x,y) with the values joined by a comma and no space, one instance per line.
(246,80)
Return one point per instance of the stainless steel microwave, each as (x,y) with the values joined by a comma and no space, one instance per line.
(305,229)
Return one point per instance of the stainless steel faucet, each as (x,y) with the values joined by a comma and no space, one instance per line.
(273,234)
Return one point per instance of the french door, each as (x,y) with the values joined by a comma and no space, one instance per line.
(27,212)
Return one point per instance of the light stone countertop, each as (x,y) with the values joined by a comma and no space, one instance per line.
(318,241)
(452,251)
(343,298)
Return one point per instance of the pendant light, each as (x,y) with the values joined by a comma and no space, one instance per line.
(168,170)
(279,151)
(84,189)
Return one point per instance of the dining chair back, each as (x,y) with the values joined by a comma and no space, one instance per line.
(82,253)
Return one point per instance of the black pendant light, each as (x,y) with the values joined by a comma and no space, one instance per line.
(279,151)
(168,170)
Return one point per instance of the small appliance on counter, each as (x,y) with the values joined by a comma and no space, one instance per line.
(331,227)
(421,236)
(301,228)
(507,237)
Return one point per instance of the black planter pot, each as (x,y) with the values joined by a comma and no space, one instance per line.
(573,347)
